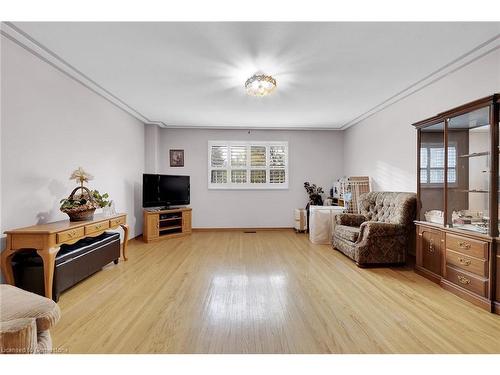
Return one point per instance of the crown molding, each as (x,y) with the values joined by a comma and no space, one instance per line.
(467,58)
(252,127)
(24,40)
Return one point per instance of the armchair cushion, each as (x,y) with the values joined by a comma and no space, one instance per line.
(347,233)
(377,229)
(352,220)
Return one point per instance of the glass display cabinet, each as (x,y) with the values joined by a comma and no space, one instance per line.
(458,200)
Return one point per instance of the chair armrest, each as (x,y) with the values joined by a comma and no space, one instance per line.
(351,220)
(18,336)
(378,229)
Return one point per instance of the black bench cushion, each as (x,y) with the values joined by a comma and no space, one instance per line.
(68,252)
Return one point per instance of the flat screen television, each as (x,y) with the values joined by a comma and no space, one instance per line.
(159,190)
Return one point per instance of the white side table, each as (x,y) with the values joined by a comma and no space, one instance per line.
(300,220)
(321,223)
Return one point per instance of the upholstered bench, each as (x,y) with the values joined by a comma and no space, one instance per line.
(73,263)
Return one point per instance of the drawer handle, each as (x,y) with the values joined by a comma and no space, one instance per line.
(98,226)
(465,262)
(463,280)
(72,234)
(464,245)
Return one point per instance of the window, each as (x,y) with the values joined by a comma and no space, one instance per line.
(247,165)
(432,164)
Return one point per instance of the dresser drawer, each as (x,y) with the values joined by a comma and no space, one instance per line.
(467,263)
(70,234)
(96,227)
(117,221)
(467,281)
(467,246)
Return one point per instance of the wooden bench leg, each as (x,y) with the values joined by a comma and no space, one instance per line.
(125,240)
(6,264)
(49,257)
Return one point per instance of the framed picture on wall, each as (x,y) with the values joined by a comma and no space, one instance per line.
(177,158)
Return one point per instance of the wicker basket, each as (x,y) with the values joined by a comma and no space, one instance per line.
(85,212)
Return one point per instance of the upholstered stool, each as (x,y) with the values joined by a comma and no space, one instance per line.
(25,320)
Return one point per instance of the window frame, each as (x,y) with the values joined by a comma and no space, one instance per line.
(248,185)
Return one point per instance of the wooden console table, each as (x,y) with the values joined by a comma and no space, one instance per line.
(47,238)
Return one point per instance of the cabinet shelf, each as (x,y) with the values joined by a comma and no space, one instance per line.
(474,154)
(170,228)
(171,219)
(472,191)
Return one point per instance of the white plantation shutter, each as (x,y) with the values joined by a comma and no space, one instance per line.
(277,164)
(239,176)
(432,164)
(238,156)
(218,156)
(277,155)
(258,176)
(219,176)
(247,165)
(277,176)
(258,164)
(258,156)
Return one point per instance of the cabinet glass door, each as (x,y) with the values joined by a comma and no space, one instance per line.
(469,146)
(431,173)
(498,202)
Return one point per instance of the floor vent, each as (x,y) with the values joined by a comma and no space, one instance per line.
(250,231)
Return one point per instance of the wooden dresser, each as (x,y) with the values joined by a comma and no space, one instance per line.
(47,238)
(458,201)
(460,262)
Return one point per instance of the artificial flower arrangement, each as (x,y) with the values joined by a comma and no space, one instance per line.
(82,202)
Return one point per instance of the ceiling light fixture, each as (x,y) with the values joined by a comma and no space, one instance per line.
(260,85)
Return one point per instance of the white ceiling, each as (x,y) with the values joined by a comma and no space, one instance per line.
(329,75)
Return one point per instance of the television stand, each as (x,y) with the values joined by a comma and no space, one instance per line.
(166,223)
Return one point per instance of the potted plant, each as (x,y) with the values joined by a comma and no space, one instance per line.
(82,202)
(314,193)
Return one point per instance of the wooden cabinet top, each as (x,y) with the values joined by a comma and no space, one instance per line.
(180,209)
(58,226)
(466,233)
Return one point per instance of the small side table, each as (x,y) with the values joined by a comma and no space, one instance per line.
(300,217)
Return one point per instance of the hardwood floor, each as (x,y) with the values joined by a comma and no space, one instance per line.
(267,292)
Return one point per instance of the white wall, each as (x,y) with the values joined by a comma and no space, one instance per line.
(151,148)
(314,156)
(51,125)
(384,146)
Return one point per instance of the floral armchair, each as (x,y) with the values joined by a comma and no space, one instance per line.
(380,235)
